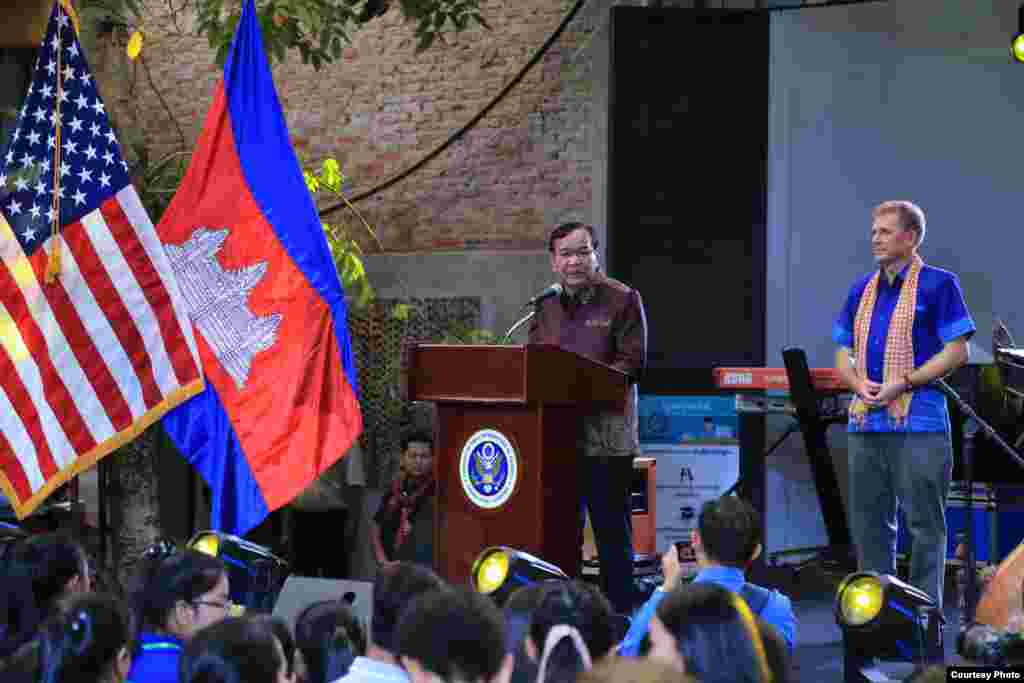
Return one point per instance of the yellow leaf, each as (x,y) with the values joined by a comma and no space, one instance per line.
(357,269)
(401,311)
(332,175)
(312,182)
(134,45)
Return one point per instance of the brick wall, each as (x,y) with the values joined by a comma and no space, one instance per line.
(382,107)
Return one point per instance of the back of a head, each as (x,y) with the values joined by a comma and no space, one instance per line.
(38,571)
(85,642)
(571,606)
(453,633)
(518,611)
(632,670)
(394,587)
(284,638)
(234,650)
(715,633)
(330,637)
(527,598)
(730,530)
(577,604)
(163,581)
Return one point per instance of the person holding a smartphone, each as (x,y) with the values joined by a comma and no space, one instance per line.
(727,539)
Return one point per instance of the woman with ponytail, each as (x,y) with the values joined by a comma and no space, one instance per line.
(329,637)
(90,642)
(175,597)
(41,571)
(570,630)
(709,632)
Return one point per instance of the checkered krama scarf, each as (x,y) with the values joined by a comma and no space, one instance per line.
(899,342)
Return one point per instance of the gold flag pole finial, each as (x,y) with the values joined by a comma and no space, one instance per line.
(66,4)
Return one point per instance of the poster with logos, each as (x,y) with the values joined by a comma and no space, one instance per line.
(687,476)
(688,419)
(695,440)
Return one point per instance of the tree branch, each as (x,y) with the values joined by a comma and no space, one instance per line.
(163,102)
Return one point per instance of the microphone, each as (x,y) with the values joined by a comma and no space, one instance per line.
(553,290)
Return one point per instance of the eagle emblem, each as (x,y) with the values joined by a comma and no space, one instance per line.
(488,468)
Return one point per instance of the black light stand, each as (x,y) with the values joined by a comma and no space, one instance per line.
(971,589)
(860,663)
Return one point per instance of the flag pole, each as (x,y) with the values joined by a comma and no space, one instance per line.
(53,263)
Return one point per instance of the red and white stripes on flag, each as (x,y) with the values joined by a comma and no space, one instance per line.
(88,361)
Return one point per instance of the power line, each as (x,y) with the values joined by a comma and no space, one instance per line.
(472,122)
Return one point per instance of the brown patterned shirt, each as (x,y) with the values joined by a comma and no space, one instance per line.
(604,322)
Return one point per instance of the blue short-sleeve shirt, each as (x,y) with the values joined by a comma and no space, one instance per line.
(155,659)
(941,317)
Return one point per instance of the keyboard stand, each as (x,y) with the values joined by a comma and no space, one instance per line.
(840,553)
(793,428)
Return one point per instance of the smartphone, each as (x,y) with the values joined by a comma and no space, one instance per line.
(684,551)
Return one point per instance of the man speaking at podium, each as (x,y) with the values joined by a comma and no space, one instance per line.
(601,319)
(902,327)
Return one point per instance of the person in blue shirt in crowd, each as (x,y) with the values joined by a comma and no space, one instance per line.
(177,596)
(727,539)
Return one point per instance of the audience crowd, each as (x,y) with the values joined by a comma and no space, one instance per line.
(175,623)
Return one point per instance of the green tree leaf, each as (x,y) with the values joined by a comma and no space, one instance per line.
(317,29)
(426,40)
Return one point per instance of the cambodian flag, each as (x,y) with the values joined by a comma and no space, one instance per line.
(246,244)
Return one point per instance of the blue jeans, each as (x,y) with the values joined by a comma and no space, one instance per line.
(912,470)
(606,491)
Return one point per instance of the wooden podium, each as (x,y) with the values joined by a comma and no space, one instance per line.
(491,399)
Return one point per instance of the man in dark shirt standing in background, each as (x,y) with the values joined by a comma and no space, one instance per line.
(601,319)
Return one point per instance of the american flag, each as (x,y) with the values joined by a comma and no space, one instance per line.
(91,357)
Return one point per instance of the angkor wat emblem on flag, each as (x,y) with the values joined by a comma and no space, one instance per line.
(218,301)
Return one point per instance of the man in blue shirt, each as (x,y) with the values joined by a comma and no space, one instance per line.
(903,326)
(726,540)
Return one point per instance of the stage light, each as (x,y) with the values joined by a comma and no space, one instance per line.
(885,618)
(1017,46)
(208,544)
(255,574)
(499,570)
(861,601)
(492,572)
